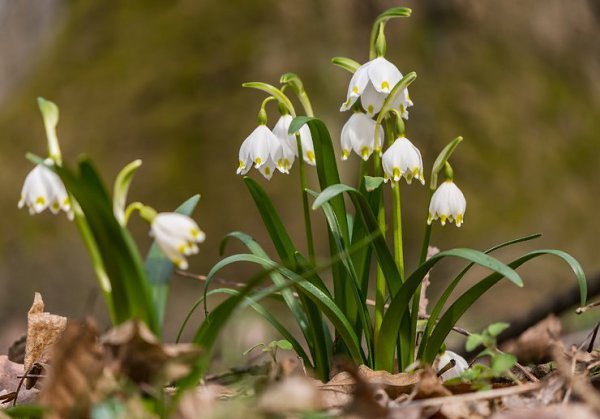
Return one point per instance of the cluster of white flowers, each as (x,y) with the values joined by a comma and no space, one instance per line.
(269,150)
(372,83)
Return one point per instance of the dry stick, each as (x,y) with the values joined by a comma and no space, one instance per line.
(461,398)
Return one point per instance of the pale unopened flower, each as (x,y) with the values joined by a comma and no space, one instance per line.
(403,159)
(290,147)
(448,204)
(372,83)
(177,236)
(460,365)
(44,189)
(358,134)
(262,149)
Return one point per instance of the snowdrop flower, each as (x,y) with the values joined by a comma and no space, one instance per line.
(44,189)
(288,142)
(176,235)
(358,134)
(403,159)
(447,203)
(460,365)
(372,82)
(262,149)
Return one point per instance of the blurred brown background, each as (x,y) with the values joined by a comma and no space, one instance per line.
(160,80)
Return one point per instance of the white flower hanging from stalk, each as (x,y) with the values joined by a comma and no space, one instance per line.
(448,204)
(358,134)
(262,149)
(372,83)
(403,159)
(290,148)
(460,365)
(177,236)
(43,189)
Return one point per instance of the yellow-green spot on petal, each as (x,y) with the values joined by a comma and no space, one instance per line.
(182,248)
(370,109)
(258,160)
(355,90)
(310,155)
(267,171)
(345,154)
(40,200)
(242,165)
(396,174)
(55,206)
(385,85)
(365,153)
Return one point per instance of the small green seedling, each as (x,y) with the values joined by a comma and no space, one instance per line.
(500,363)
(272,348)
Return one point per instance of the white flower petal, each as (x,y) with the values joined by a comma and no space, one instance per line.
(383,74)
(176,235)
(372,100)
(358,133)
(448,204)
(460,365)
(357,85)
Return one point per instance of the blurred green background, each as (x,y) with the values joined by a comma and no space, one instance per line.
(161,80)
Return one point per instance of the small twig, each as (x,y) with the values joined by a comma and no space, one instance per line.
(581,310)
(593,338)
(461,398)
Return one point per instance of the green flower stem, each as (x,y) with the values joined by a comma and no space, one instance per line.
(398,247)
(417,295)
(303,186)
(380,285)
(97,262)
(396,202)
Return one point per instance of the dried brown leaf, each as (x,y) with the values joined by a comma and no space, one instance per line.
(136,353)
(77,363)
(9,381)
(16,351)
(535,344)
(466,410)
(43,329)
(430,385)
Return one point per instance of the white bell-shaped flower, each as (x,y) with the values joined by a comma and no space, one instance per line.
(288,141)
(358,134)
(176,235)
(403,159)
(460,365)
(448,204)
(260,148)
(44,189)
(372,83)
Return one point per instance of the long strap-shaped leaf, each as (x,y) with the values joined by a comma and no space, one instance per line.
(431,321)
(462,304)
(385,258)
(121,259)
(311,322)
(279,235)
(356,301)
(385,347)
(324,302)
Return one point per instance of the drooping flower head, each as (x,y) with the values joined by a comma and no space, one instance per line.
(262,149)
(372,83)
(43,189)
(288,141)
(403,159)
(448,357)
(177,236)
(358,134)
(448,204)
